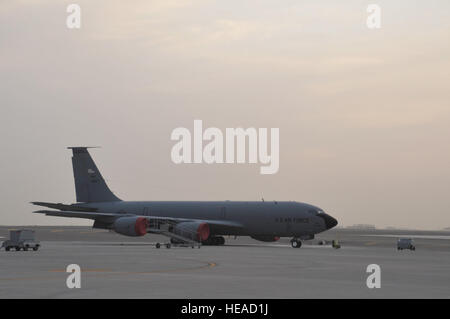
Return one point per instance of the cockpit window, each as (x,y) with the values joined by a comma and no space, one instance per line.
(316,211)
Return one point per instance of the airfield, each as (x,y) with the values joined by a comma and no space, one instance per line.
(115,266)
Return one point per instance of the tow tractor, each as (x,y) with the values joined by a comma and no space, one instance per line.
(21,239)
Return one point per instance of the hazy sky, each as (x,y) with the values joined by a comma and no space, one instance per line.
(364,115)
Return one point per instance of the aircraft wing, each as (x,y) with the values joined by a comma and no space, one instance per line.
(216,226)
(111,217)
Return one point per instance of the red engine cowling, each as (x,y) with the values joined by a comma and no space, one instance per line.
(266,238)
(131,226)
(193,230)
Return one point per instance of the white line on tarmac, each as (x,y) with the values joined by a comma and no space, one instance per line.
(411,236)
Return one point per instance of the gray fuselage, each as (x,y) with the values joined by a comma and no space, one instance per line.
(282,219)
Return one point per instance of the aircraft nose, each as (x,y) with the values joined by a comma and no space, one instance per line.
(330,222)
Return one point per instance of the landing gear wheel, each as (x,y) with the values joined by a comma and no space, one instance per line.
(295,243)
(17,248)
(214,241)
(158,245)
(35,248)
(168,245)
(220,241)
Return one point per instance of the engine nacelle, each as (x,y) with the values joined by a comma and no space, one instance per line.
(131,226)
(266,238)
(193,230)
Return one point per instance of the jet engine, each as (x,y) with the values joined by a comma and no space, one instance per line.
(131,226)
(266,238)
(193,230)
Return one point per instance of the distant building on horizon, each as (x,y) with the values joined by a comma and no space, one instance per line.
(362,226)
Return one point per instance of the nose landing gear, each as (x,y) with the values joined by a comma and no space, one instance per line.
(296,243)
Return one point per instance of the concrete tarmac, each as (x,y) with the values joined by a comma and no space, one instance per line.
(115,266)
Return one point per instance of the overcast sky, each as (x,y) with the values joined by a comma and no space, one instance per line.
(364,115)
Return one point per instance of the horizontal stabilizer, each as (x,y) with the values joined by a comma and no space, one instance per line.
(89,215)
(65,207)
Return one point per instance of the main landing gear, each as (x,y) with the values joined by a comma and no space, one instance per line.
(214,241)
(296,243)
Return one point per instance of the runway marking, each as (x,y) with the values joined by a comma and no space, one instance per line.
(109,272)
(83,270)
(26,278)
(208,265)
(411,236)
(92,232)
(114,272)
(371,243)
(57,231)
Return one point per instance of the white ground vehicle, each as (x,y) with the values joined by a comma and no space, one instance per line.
(405,243)
(21,239)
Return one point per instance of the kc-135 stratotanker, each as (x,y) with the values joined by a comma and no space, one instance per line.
(189,222)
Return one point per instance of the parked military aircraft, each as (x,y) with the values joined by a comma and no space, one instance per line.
(185,221)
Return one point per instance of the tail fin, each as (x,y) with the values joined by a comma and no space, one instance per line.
(89,184)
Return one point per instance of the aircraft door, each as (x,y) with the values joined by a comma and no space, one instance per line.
(223,213)
(288,225)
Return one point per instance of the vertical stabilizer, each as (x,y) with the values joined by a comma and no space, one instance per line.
(89,184)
